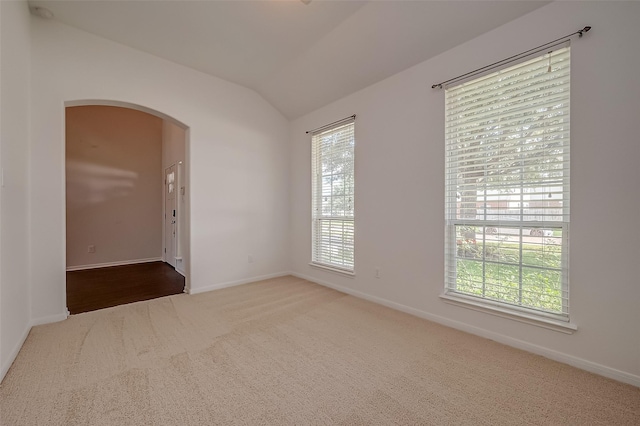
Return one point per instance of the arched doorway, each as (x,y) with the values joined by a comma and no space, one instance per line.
(127,222)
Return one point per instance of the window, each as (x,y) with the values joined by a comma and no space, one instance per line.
(507,188)
(333,197)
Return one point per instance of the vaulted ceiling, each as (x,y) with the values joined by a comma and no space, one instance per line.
(298,56)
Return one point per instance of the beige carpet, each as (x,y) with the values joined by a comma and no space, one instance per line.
(286,351)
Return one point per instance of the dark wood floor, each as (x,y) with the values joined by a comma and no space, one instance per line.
(93,289)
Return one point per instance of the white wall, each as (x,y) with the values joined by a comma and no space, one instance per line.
(113,186)
(237,150)
(14,148)
(400,187)
(173,144)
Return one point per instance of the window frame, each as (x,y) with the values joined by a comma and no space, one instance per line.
(321,241)
(557,320)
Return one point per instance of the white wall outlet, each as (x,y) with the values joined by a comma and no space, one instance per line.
(377,272)
(91,249)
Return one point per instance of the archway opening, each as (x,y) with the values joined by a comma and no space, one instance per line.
(126,204)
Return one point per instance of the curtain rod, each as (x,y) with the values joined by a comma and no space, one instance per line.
(351,117)
(515,57)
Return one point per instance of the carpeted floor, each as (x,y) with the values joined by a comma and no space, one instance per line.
(286,351)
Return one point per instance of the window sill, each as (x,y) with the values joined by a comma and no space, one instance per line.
(330,269)
(512,314)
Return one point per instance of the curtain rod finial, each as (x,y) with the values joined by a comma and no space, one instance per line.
(584,30)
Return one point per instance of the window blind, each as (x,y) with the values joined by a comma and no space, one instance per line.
(507,186)
(333,190)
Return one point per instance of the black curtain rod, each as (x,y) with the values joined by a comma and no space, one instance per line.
(351,117)
(515,57)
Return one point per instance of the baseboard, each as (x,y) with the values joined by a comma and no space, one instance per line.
(574,361)
(38,321)
(235,283)
(119,263)
(14,353)
(49,319)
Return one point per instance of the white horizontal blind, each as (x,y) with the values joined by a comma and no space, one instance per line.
(333,192)
(507,186)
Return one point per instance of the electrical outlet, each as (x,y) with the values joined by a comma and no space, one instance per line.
(91,249)
(377,272)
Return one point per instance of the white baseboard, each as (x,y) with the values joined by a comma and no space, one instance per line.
(14,353)
(119,263)
(239,282)
(574,361)
(49,319)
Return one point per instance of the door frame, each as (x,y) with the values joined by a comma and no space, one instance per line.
(170,257)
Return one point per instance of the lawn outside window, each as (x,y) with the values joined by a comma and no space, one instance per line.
(507,189)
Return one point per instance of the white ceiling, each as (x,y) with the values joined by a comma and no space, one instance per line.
(298,57)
